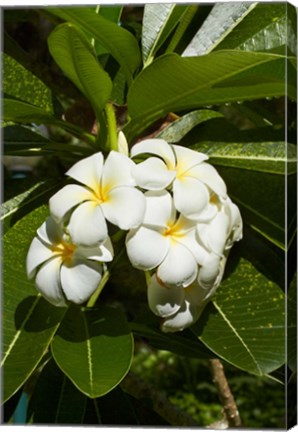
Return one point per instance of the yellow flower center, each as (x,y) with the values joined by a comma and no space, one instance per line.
(101,195)
(173,230)
(65,250)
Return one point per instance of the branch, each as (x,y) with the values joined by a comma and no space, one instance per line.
(224,392)
(140,389)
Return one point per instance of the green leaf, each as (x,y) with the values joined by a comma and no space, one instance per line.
(23,112)
(55,399)
(21,84)
(29,322)
(245,325)
(246,26)
(270,157)
(94,348)
(20,140)
(15,208)
(121,44)
(111,13)
(172,83)
(179,128)
(76,57)
(158,22)
(261,199)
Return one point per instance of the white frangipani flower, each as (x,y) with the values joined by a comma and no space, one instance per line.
(107,191)
(166,243)
(64,271)
(218,236)
(179,307)
(193,180)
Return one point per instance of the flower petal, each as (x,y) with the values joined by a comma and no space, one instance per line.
(164,301)
(102,253)
(153,174)
(211,272)
(67,198)
(117,171)
(191,196)
(214,234)
(50,232)
(185,317)
(146,248)
(122,144)
(47,282)
(80,280)
(38,253)
(88,171)
(236,224)
(208,175)
(190,241)
(124,207)
(187,158)
(158,147)
(160,210)
(179,267)
(87,225)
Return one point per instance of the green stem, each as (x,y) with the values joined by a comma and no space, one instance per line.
(99,289)
(147,277)
(112,127)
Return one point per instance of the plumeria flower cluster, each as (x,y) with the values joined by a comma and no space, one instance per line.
(181,225)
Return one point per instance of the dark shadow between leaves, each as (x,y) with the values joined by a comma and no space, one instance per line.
(34,314)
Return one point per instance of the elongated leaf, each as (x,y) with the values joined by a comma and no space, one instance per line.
(18,139)
(266,27)
(111,13)
(73,53)
(94,348)
(261,199)
(29,322)
(15,208)
(249,26)
(20,83)
(158,22)
(119,42)
(270,157)
(179,128)
(172,83)
(223,19)
(246,323)
(55,399)
(23,112)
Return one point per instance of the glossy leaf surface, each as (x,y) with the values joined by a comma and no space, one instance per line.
(94,348)
(119,42)
(249,26)
(21,84)
(245,325)
(29,322)
(172,83)
(76,57)
(158,22)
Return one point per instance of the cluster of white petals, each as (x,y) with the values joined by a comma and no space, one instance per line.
(181,225)
(189,226)
(64,271)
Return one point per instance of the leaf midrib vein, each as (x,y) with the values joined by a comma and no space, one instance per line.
(19,332)
(89,354)
(238,336)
